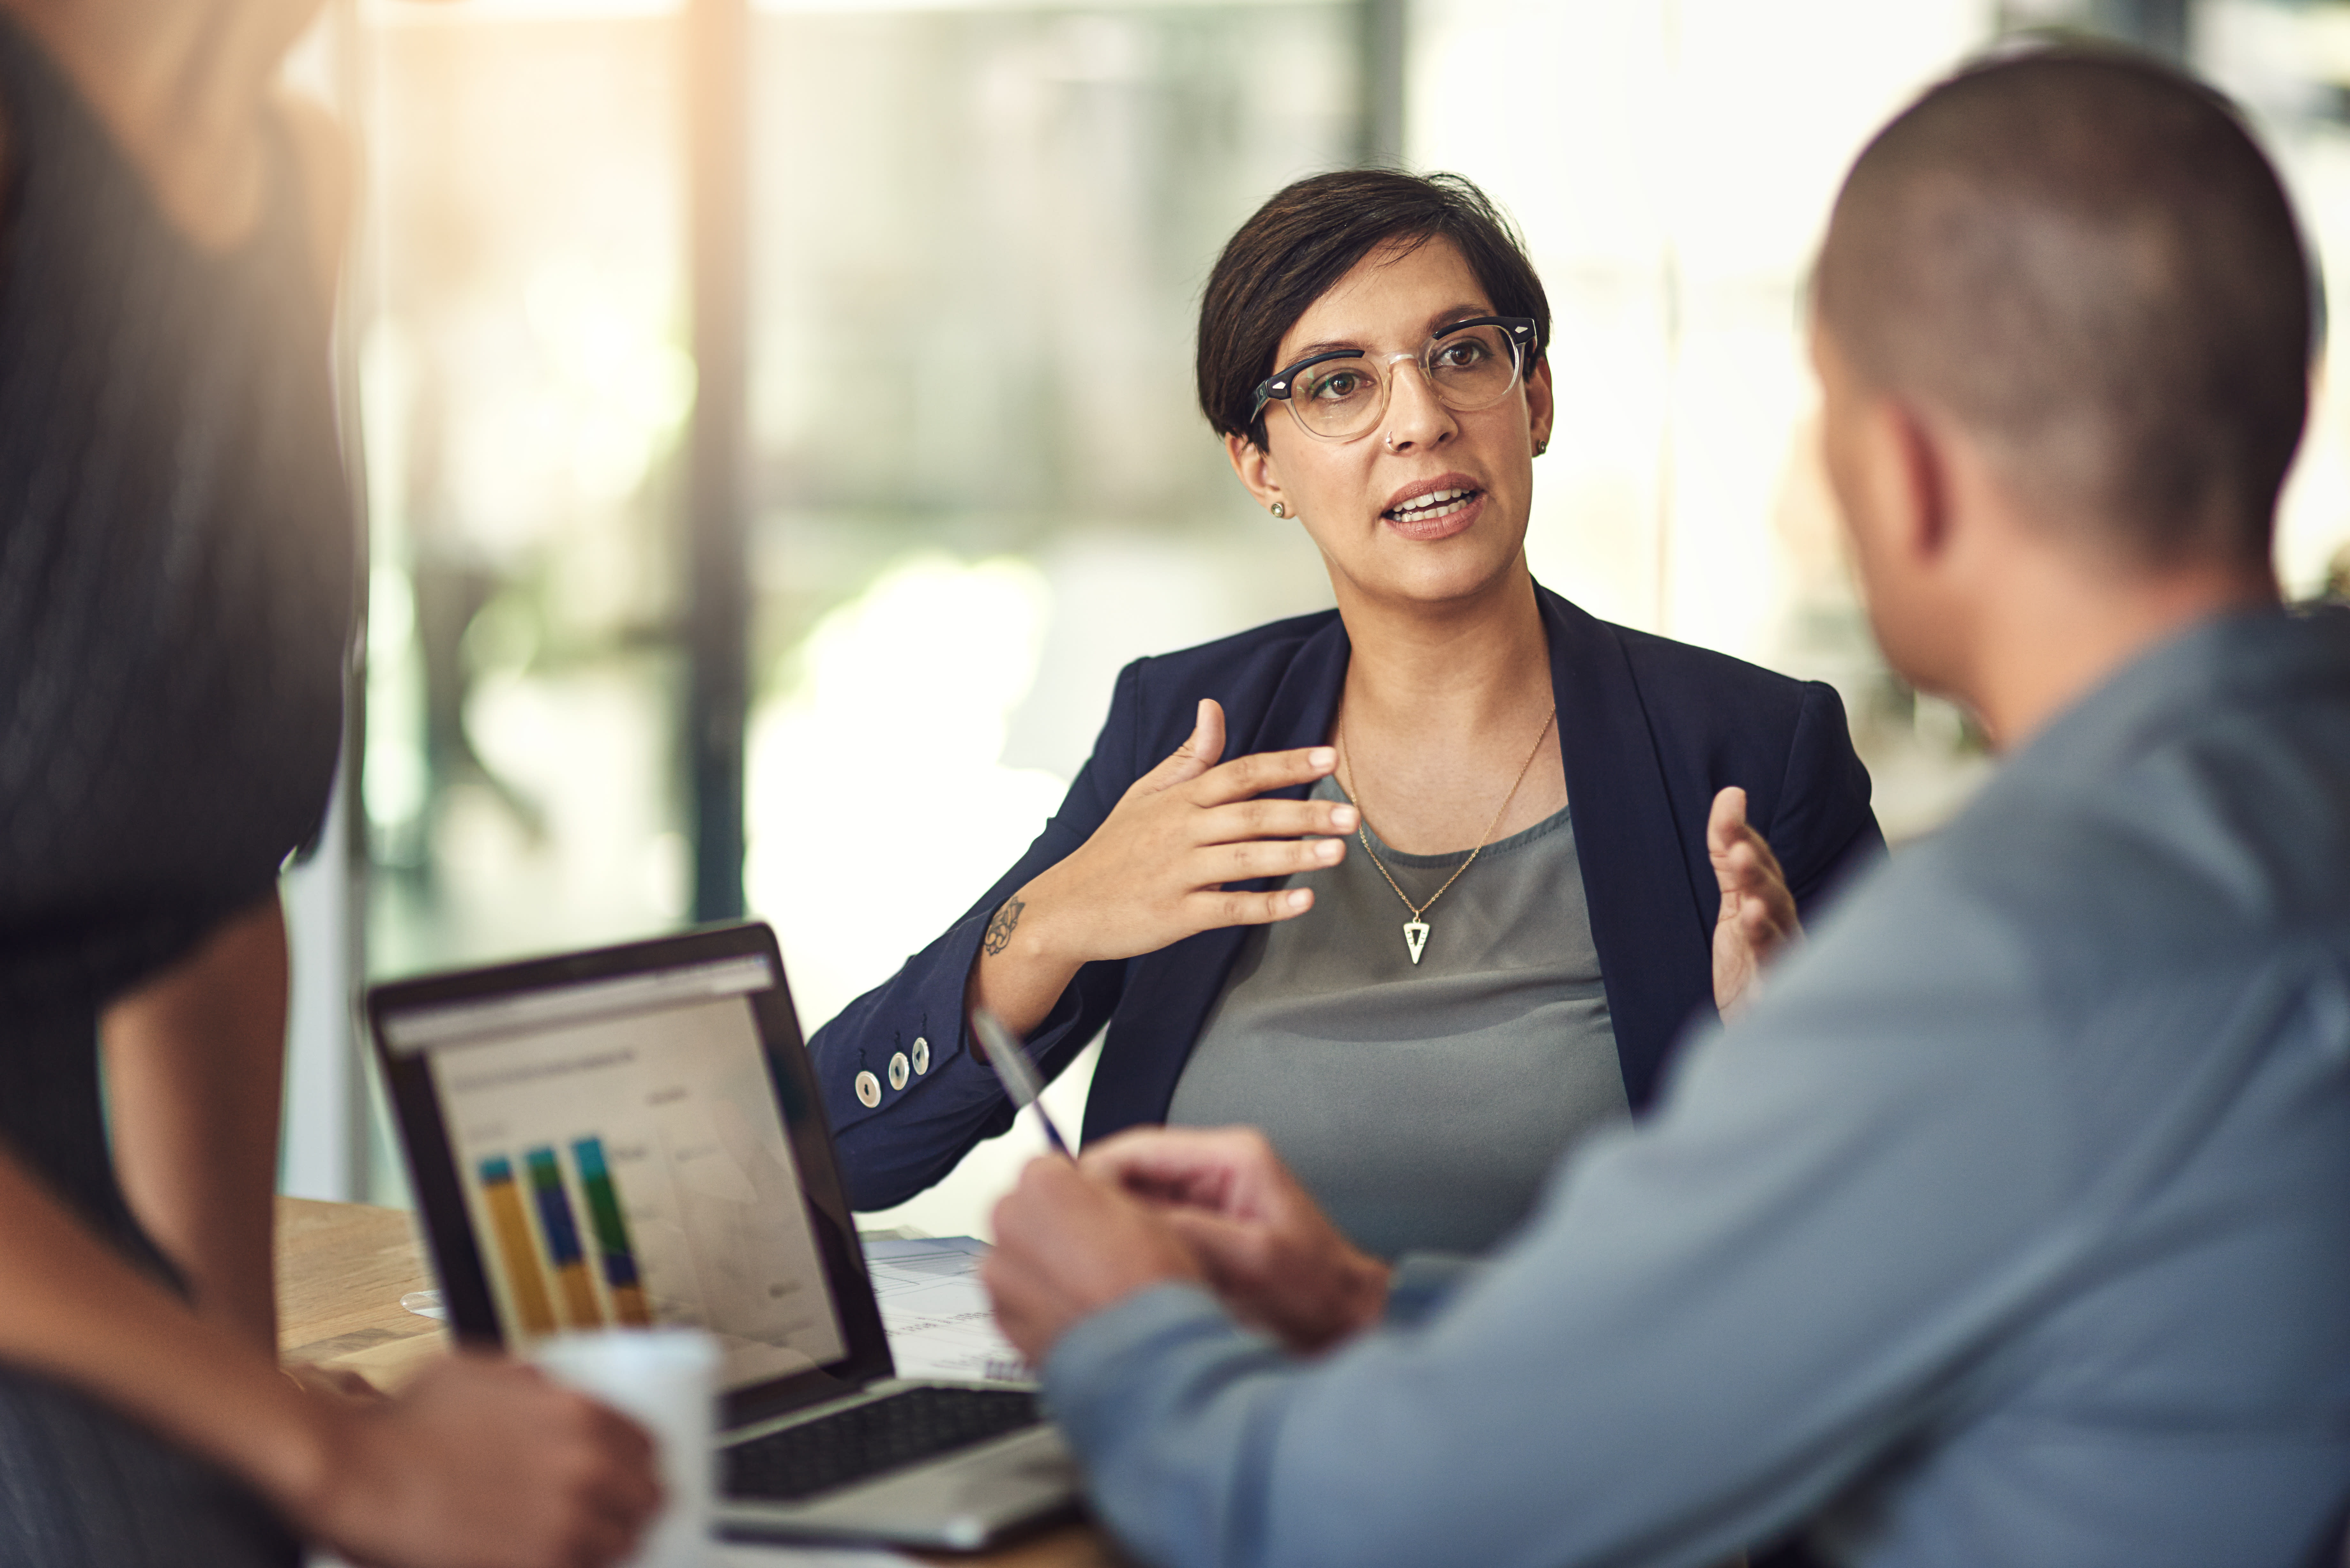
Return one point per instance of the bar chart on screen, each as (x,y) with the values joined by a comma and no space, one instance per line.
(525,1286)
(631,1171)
(620,1277)
(555,1251)
(561,1232)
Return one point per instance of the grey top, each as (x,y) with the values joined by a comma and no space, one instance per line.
(1421,1103)
(2012,1225)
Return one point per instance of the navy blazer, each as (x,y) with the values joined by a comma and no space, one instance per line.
(1649,728)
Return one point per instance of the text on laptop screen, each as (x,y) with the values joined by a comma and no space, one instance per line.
(624,1164)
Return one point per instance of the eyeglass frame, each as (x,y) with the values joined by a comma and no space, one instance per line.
(1523,343)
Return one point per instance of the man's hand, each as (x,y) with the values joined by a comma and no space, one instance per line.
(1066,1247)
(1757,914)
(1271,1254)
(480,1463)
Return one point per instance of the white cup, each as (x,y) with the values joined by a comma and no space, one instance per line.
(665,1379)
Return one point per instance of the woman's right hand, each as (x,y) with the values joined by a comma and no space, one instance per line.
(1155,871)
(479,1463)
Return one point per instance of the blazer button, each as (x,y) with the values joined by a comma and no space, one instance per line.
(898,1071)
(921,1055)
(869,1090)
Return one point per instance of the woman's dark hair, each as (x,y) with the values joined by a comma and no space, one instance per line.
(1297,245)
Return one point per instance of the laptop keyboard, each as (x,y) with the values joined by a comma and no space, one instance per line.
(865,1441)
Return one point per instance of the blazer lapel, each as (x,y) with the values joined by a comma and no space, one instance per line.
(1168,993)
(1648,920)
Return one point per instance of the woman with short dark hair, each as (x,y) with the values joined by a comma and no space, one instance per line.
(1477,857)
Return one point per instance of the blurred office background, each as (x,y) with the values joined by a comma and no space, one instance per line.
(774,418)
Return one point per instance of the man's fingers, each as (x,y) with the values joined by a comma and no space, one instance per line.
(1207,1166)
(1254,774)
(1006,1272)
(1235,1254)
(1015,1290)
(1222,1242)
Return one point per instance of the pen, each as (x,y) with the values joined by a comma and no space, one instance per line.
(1014,1071)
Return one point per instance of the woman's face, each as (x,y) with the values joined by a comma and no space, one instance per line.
(1346,492)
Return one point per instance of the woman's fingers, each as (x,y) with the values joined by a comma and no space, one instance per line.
(1765,924)
(1200,752)
(1749,868)
(1272,819)
(1275,819)
(1758,912)
(1228,909)
(1723,822)
(1259,771)
(1743,862)
(1217,863)
(1160,869)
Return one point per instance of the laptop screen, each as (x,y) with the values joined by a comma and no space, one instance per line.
(623,1160)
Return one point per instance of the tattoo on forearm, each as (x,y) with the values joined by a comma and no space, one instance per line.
(1007,921)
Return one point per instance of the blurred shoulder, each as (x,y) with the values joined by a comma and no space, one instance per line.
(1232,667)
(1661,661)
(2216,847)
(322,161)
(1681,685)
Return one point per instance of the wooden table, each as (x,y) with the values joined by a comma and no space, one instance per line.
(341,1270)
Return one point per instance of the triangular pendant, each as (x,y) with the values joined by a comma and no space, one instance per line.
(1415,937)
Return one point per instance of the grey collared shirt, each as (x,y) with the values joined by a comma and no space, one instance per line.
(2011,1227)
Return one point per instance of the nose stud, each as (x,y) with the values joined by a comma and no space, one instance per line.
(1388,437)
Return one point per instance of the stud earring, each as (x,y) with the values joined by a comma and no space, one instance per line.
(1541,447)
(1279,510)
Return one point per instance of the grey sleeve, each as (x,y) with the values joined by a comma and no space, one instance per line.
(1714,1322)
(1424,1282)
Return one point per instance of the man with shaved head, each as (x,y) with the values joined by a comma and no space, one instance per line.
(2012,1226)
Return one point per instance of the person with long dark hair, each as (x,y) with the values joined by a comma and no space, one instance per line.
(176,583)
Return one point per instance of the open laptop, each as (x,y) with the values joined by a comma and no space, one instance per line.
(632,1136)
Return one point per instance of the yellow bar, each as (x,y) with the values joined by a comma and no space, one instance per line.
(524,1281)
(579,1295)
(628,1304)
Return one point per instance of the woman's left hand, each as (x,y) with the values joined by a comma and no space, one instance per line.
(1757,914)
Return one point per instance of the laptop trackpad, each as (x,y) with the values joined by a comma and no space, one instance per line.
(961,1501)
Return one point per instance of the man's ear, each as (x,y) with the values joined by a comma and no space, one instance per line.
(1254,466)
(1919,469)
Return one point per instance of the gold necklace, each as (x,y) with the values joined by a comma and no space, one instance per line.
(1415,930)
